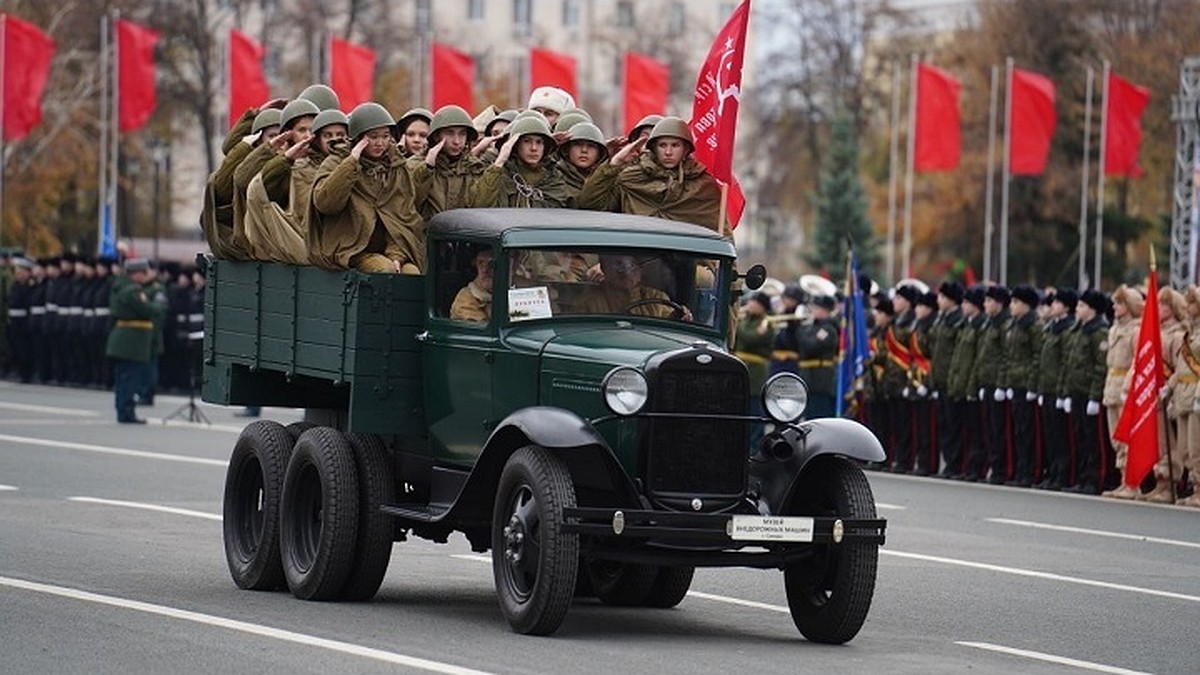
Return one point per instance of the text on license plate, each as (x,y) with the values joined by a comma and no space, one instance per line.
(771,528)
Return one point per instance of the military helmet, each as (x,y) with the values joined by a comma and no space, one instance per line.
(506,116)
(532,126)
(647,121)
(293,111)
(368,116)
(568,120)
(586,131)
(414,114)
(672,127)
(452,116)
(328,117)
(579,111)
(323,96)
(265,118)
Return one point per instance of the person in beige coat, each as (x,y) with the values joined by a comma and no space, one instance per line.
(1188,450)
(1128,304)
(1173,313)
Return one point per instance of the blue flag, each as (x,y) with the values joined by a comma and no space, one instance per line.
(854,352)
(108,238)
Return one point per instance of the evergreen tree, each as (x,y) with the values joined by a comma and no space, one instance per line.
(842,206)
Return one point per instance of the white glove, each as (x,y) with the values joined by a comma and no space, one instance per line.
(858,386)
(904,392)
(1058,403)
(1164,392)
(1031,396)
(1093,408)
(1039,400)
(981,393)
(936,394)
(998,395)
(1067,405)
(1008,393)
(922,390)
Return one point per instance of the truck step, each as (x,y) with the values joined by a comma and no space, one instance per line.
(422,513)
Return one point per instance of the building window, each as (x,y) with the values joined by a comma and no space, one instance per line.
(522,17)
(424,20)
(625,14)
(571,13)
(677,18)
(475,10)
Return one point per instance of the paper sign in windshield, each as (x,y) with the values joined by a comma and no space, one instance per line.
(529,303)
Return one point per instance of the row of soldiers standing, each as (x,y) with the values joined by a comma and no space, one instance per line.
(1024,389)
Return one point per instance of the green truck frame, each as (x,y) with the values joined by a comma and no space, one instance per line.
(593,453)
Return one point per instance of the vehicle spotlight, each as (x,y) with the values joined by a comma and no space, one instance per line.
(625,390)
(784,397)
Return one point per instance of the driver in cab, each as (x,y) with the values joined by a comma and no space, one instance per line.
(621,292)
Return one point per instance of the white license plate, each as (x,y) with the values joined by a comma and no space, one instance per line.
(771,528)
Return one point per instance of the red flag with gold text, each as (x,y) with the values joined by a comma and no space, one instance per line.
(1138,425)
(27,56)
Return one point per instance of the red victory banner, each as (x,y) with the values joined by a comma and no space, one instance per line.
(248,86)
(1031,122)
(715,107)
(647,85)
(137,93)
(453,78)
(938,142)
(1123,127)
(27,56)
(552,69)
(1138,424)
(351,72)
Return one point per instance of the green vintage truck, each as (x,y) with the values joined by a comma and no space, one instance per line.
(557,388)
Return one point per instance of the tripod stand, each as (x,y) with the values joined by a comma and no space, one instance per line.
(190,411)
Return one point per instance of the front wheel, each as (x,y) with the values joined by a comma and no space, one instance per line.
(830,594)
(533,562)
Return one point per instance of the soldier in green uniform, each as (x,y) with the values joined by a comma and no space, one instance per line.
(988,381)
(1022,347)
(1056,435)
(818,343)
(156,291)
(582,152)
(943,336)
(963,386)
(753,337)
(920,377)
(131,341)
(413,127)
(445,174)
(1086,368)
(523,174)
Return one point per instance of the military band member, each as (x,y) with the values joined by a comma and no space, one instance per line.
(818,344)
(943,337)
(785,357)
(925,450)
(753,337)
(1122,341)
(889,377)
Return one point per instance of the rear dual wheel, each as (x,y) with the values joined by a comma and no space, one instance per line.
(253,483)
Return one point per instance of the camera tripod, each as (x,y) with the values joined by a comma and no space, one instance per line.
(190,411)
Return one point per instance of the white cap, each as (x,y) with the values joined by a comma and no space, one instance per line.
(551,98)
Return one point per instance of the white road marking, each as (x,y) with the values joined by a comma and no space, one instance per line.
(890,507)
(241,627)
(1051,658)
(47,422)
(146,507)
(738,601)
(1049,576)
(51,410)
(474,557)
(228,428)
(1098,533)
(4,488)
(106,450)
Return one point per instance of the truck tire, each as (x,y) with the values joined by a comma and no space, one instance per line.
(670,586)
(533,562)
(622,584)
(376,487)
(319,515)
(298,428)
(830,595)
(253,484)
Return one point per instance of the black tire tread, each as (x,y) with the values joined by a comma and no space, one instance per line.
(376,487)
(670,586)
(272,445)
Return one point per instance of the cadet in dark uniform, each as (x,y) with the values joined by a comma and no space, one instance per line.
(37,323)
(100,323)
(1022,349)
(1056,435)
(1086,369)
(964,387)
(989,374)
(818,343)
(920,343)
(888,380)
(900,410)
(19,303)
(943,336)
(157,294)
(132,340)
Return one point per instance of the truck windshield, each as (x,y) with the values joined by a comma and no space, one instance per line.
(668,285)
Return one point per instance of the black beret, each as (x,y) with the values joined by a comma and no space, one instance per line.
(1068,297)
(1095,299)
(825,301)
(909,293)
(761,298)
(1048,298)
(974,295)
(886,307)
(952,290)
(1027,295)
(928,299)
(998,293)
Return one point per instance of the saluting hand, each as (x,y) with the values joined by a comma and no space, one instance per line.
(431,154)
(280,143)
(484,143)
(251,139)
(358,148)
(298,150)
(506,150)
(615,144)
(561,137)
(628,152)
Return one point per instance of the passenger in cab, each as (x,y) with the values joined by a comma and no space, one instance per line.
(474,301)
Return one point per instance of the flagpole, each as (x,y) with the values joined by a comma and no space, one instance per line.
(1004,187)
(893,170)
(3,97)
(115,120)
(989,223)
(721,211)
(1083,190)
(906,252)
(102,166)
(1100,184)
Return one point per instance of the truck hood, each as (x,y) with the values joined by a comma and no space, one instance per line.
(616,343)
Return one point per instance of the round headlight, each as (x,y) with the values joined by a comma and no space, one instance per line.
(784,397)
(625,391)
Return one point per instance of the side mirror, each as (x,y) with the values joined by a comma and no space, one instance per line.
(755,277)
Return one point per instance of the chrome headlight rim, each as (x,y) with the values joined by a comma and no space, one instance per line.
(635,399)
(778,385)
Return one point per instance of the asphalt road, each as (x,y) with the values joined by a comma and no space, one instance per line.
(111,562)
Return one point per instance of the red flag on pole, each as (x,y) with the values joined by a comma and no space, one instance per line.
(248,86)
(715,107)
(938,142)
(351,72)
(1123,130)
(27,56)
(1031,123)
(453,78)
(551,69)
(1138,425)
(647,85)
(137,94)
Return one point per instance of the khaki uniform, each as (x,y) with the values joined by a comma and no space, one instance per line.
(472,303)
(609,300)
(1189,454)
(1174,336)
(1122,341)
(277,205)
(517,186)
(242,175)
(574,180)
(447,184)
(686,193)
(216,216)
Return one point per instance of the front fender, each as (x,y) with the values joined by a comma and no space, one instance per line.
(775,479)
(597,475)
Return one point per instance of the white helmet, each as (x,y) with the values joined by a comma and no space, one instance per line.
(551,98)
